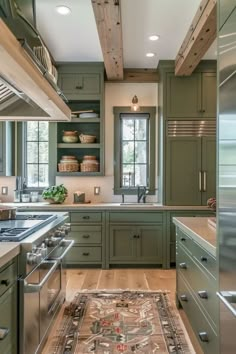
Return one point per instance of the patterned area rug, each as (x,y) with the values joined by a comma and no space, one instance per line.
(128,322)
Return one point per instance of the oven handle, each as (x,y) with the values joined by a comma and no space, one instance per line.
(70,244)
(35,288)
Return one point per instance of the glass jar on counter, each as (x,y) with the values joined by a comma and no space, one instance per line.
(25,198)
(34,197)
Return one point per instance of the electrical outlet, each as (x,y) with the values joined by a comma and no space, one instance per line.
(97,190)
(4,190)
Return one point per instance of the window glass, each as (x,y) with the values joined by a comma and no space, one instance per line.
(36,154)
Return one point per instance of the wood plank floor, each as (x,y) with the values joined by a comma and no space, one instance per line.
(133,279)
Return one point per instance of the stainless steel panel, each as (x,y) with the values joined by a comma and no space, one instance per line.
(191,128)
(227,180)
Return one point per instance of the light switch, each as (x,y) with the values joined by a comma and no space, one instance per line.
(4,190)
(96,190)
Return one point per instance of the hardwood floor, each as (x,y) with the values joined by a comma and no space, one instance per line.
(133,279)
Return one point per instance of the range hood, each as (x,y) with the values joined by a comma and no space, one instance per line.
(25,94)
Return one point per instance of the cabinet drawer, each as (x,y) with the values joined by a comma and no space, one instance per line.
(204,259)
(197,318)
(8,320)
(86,234)
(85,217)
(137,217)
(203,286)
(184,240)
(7,277)
(84,254)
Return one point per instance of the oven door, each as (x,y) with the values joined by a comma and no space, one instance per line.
(32,290)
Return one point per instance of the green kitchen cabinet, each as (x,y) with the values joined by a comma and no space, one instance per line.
(196,289)
(83,85)
(192,96)
(87,231)
(6,149)
(136,244)
(226,8)
(190,170)
(171,231)
(8,307)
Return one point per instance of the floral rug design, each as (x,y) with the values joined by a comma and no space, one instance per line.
(128,322)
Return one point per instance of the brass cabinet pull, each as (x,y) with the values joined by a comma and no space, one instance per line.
(183,239)
(5,282)
(203,294)
(203,336)
(79,87)
(85,253)
(204,181)
(183,265)
(86,217)
(200,181)
(184,297)
(86,236)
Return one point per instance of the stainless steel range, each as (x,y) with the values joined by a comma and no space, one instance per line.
(42,276)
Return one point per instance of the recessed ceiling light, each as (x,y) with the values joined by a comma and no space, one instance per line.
(63,10)
(150,55)
(154,37)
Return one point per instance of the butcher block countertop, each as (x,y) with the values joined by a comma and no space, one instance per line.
(200,229)
(8,250)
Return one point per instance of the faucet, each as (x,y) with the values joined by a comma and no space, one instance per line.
(142,193)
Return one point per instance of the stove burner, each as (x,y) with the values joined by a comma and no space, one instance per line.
(32,217)
(4,231)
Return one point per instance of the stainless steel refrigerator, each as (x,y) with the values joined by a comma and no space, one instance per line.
(226,171)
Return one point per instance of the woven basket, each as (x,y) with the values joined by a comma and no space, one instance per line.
(89,167)
(87,139)
(68,167)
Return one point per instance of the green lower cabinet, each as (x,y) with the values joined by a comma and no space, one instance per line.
(171,232)
(137,244)
(8,320)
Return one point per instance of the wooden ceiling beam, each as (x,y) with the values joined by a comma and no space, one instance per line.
(199,38)
(108,19)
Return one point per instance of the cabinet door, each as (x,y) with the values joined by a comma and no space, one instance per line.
(226,7)
(149,244)
(208,95)
(183,96)
(208,168)
(122,243)
(80,84)
(183,168)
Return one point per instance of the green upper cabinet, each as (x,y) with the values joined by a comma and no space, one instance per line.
(80,84)
(190,170)
(82,81)
(226,8)
(192,96)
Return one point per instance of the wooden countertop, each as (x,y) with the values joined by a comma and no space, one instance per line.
(8,250)
(200,230)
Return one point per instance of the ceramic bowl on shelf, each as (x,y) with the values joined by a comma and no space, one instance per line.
(70,136)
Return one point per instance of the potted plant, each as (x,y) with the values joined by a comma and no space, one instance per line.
(55,194)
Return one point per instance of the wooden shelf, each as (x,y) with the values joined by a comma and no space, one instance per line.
(85,120)
(71,174)
(78,146)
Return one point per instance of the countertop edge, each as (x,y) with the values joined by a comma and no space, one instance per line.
(8,250)
(196,237)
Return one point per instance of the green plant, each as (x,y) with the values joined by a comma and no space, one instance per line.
(57,194)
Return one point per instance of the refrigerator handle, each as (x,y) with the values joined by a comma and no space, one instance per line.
(200,181)
(204,181)
(228,297)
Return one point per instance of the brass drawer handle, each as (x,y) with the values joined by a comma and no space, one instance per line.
(203,259)
(79,87)
(184,298)
(5,282)
(183,265)
(203,294)
(86,217)
(183,239)
(203,336)
(85,253)
(86,236)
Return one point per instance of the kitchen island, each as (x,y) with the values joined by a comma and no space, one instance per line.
(197,279)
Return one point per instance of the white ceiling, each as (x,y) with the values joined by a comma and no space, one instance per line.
(74,37)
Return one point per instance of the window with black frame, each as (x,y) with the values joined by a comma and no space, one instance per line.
(134,150)
(36,154)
